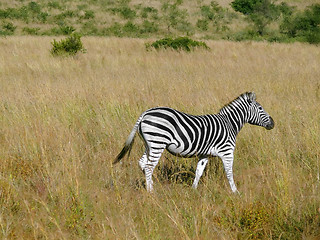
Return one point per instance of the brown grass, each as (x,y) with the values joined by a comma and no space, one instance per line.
(63,120)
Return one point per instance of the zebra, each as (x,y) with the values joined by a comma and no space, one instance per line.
(202,136)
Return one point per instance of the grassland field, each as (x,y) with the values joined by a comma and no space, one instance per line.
(63,121)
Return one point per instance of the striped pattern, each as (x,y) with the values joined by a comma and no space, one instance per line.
(195,136)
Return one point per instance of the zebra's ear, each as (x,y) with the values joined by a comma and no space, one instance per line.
(252,96)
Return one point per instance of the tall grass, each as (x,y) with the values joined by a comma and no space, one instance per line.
(63,120)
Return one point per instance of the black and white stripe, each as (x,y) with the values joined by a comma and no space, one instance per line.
(195,136)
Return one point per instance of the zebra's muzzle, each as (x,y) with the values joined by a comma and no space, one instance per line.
(270,125)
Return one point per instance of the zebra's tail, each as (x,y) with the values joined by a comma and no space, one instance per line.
(129,143)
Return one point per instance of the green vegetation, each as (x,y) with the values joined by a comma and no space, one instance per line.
(180,43)
(303,25)
(69,46)
(238,20)
(259,12)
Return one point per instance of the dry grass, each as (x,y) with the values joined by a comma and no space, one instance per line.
(63,120)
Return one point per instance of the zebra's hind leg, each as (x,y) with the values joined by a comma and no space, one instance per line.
(143,161)
(152,161)
(199,171)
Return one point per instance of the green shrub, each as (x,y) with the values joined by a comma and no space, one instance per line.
(259,12)
(42,17)
(67,30)
(180,43)
(113,30)
(54,5)
(89,14)
(215,14)
(149,27)
(125,12)
(146,11)
(31,31)
(34,7)
(130,28)
(304,26)
(174,17)
(202,24)
(7,29)
(69,46)
(4,14)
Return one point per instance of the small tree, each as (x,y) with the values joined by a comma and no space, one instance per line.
(69,46)
(174,17)
(259,12)
(215,14)
(304,25)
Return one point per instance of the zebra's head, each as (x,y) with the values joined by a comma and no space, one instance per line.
(256,114)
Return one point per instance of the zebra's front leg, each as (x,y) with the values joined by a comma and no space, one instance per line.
(199,171)
(228,165)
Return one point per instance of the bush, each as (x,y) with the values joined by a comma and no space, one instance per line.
(69,46)
(31,31)
(149,10)
(67,30)
(89,14)
(175,18)
(180,43)
(125,12)
(215,14)
(259,12)
(202,24)
(304,25)
(149,27)
(7,29)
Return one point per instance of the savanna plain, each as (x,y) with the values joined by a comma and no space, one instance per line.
(64,120)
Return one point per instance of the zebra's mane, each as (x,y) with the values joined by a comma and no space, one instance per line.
(244,96)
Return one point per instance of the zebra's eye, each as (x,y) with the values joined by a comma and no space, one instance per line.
(260,108)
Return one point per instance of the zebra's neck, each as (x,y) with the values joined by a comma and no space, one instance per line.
(236,113)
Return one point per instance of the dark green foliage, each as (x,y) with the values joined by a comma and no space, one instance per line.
(245,6)
(7,29)
(180,43)
(259,12)
(69,46)
(303,25)
(285,9)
